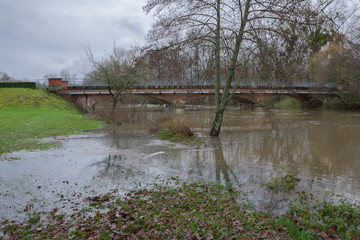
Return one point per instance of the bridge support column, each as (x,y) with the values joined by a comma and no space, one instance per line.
(246,106)
(312,103)
(169,107)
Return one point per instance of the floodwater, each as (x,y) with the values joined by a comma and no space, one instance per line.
(321,147)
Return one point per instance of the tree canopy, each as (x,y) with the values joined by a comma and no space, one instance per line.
(243,37)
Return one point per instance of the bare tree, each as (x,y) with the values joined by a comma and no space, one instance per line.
(190,65)
(4,77)
(118,72)
(235,30)
(64,74)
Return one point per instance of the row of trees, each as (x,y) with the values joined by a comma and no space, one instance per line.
(65,74)
(223,42)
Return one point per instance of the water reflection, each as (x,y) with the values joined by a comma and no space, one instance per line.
(221,168)
(321,147)
(113,167)
(223,173)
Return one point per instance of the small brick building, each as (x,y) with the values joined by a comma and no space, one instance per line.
(57,83)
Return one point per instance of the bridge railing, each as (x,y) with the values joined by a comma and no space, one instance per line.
(245,83)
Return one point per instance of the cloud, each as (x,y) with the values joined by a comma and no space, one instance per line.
(40,35)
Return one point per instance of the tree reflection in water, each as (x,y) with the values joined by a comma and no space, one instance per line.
(221,167)
(113,168)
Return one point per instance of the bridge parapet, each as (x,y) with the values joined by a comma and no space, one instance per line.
(179,83)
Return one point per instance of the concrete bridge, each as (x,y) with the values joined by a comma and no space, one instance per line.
(87,97)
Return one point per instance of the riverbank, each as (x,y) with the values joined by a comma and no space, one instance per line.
(28,115)
(188,211)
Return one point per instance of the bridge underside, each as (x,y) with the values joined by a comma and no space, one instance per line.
(307,101)
(89,102)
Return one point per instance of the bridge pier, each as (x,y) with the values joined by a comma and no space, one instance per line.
(169,107)
(308,101)
(246,106)
(313,103)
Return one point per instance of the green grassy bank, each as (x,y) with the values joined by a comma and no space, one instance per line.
(27,115)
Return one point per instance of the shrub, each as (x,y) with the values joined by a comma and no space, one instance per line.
(31,85)
(182,129)
(177,132)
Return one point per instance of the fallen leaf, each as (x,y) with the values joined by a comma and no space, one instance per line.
(323,235)
(264,233)
(197,236)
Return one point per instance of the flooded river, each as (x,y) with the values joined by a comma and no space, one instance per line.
(321,147)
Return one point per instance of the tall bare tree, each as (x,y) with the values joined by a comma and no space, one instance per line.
(235,30)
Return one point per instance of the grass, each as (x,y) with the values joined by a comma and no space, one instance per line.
(284,183)
(295,230)
(333,214)
(25,98)
(187,211)
(176,132)
(27,115)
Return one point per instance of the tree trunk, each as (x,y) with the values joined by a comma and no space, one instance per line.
(114,103)
(216,127)
(215,130)
(222,100)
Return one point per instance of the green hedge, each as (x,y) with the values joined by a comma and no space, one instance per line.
(18,85)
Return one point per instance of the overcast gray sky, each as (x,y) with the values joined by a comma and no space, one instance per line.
(39,37)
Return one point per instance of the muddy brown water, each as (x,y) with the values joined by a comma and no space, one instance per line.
(321,147)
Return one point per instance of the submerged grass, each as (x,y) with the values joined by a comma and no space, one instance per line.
(176,132)
(27,115)
(188,211)
(284,183)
